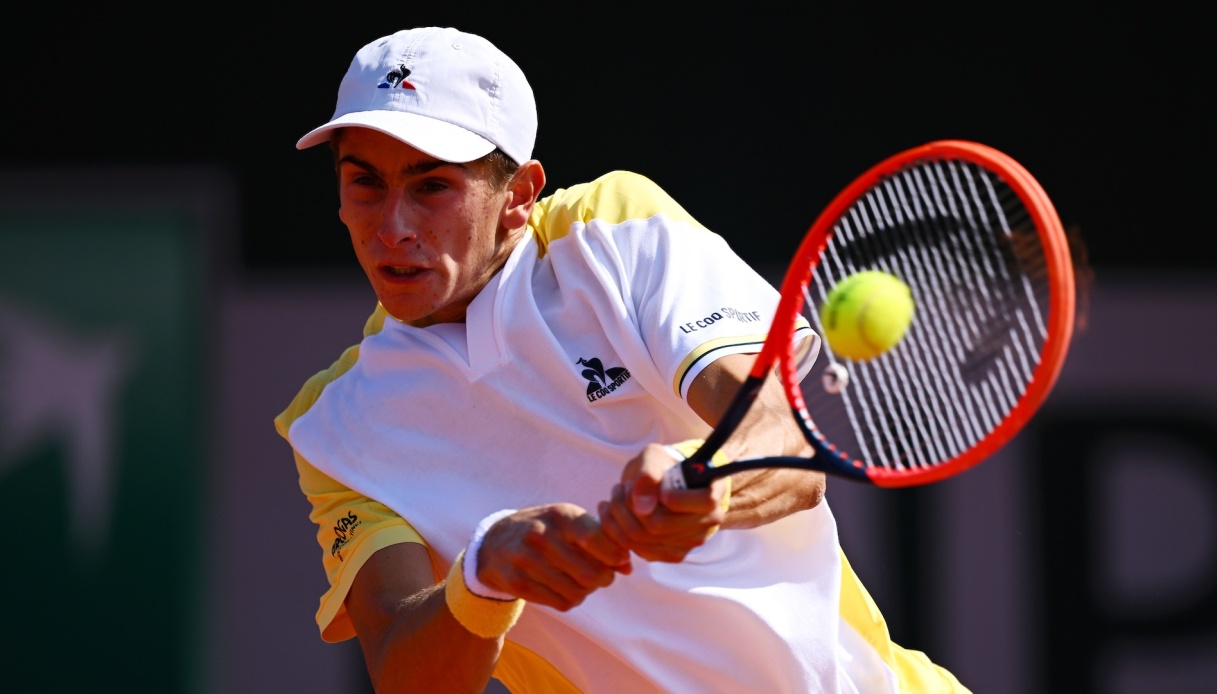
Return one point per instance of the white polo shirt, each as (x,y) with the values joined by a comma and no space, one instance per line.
(573,358)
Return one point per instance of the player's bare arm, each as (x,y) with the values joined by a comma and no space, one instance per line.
(759,496)
(554,555)
(410,640)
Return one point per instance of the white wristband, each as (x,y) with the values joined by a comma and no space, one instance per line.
(471,558)
(675,453)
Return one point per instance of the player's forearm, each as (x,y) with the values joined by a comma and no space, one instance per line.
(410,640)
(426,649)
(763,496)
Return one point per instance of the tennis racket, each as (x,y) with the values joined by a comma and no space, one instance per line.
(979,243)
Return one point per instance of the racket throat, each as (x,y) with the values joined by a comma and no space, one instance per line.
(697,468)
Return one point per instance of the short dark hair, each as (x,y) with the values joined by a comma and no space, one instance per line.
(501,167)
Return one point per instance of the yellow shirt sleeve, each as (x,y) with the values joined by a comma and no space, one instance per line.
(614,197)
(350,526)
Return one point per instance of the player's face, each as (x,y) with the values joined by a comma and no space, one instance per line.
(427,233)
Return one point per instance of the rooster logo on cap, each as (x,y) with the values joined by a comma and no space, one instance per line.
(397,78)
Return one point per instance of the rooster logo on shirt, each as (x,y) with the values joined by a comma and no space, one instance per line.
(602,381)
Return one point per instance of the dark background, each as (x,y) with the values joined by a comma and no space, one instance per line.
(753,118)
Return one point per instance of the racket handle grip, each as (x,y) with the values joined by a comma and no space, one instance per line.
(674,478)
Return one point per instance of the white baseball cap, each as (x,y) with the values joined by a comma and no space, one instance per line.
(452,95)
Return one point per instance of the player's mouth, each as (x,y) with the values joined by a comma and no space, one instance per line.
(402,273)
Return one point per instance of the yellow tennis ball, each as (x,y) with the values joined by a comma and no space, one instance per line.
(866,314)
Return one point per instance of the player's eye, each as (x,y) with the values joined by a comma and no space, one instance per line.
(358,177)
(432,185)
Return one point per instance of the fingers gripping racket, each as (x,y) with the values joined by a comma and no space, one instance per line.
(981,247)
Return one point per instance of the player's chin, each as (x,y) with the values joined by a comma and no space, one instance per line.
(407,307)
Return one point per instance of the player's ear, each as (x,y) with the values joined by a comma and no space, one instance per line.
(523,190)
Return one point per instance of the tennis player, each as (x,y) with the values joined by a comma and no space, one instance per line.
(484,466)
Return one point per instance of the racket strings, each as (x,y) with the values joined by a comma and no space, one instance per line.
(965,243)
(983,284)
(872,407)
(905,263)
(898,208)
(1016,273)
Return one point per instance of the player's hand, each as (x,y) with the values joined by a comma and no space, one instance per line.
(660,524)
(554,555)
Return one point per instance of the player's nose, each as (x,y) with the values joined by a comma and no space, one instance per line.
(398,224)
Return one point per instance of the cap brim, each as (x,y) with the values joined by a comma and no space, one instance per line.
(434,137)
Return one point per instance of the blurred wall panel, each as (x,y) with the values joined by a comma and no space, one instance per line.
(106,287)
